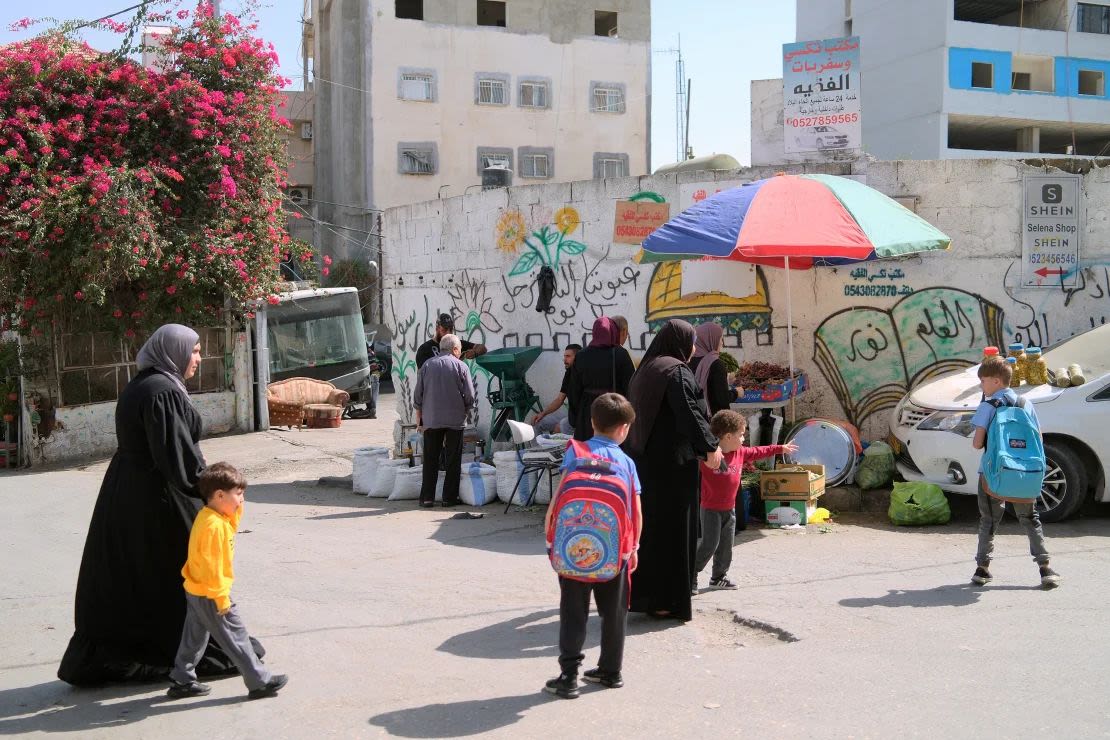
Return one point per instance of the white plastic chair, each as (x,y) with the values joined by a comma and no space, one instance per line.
(532,460)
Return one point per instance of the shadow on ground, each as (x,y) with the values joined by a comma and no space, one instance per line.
(536,635)
(459,719)
(58,707)
(960,594)
(516,533)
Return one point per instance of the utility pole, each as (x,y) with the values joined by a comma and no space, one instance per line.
(681,107)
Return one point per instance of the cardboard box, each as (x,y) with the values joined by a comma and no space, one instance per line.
(784,485)
(786,513)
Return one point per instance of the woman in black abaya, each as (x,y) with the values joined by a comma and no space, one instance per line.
(668,437)
(603,367)
(130,603)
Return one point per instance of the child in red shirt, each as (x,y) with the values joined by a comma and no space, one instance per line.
(718,496)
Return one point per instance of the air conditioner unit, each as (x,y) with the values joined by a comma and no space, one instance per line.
(306,130)
(298,195)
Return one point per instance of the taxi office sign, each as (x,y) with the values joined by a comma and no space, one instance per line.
(1050,231)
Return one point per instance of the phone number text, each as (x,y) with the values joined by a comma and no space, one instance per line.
(823,120)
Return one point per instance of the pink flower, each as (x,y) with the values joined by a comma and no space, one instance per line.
(117,313)
(325,271)
(79,295)
(171,289)
(327,259)
(273,300)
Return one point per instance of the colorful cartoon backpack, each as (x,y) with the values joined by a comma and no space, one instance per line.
(591,527)
(1013,462)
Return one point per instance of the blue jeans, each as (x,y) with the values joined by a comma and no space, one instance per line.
(991,511)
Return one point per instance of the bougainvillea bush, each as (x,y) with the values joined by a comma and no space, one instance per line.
(131,197)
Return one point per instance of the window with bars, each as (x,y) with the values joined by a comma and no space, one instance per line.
(607,98)
(95,367)
(1091,18)
(533,94)
(419,86)
(501,158)
(535,165)
(417,159)
(608,164)
(492,92)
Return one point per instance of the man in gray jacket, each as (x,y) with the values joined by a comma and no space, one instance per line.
(443,397)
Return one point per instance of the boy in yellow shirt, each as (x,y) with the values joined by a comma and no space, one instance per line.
(208,578)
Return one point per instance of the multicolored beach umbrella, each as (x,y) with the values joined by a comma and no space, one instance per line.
(795,220)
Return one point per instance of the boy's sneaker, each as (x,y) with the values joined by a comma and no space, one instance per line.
(981,577)
(605,678)
(1049,577)
(693,589)
(722,583)
(564,687)
(271,688)
(185,690)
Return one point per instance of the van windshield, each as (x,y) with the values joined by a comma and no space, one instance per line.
(315,331)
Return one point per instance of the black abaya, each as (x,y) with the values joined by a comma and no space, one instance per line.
(668,470)
(130,602)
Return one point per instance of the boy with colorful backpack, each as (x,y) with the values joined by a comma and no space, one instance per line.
(1012,468)
(593,531)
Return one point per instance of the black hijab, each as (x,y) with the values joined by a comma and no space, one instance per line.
(671,347)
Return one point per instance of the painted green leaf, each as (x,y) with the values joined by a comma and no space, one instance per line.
(525,264)
(549,236)
(570,246)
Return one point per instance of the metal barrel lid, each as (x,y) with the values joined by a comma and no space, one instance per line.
(824,442)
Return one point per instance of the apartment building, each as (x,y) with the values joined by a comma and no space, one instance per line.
(975,78)
(296,106)
(418,99)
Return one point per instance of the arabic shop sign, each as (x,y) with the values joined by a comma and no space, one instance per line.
(820,96)
(634,221)
(1050,231)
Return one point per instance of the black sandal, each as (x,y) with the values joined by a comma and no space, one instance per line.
(427,504)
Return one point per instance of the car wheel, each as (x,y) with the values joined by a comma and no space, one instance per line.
(1065,485)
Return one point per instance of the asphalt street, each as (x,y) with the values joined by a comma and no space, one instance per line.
(396,621)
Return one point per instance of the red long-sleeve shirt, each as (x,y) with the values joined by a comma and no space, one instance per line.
(718,489)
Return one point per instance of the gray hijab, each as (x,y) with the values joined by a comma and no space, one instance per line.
(168,351)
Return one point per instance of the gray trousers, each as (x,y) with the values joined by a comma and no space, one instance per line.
(717,530)
(991,511)
(202,620)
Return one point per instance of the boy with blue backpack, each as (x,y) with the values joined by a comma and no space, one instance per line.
(1011,470)
(593,531)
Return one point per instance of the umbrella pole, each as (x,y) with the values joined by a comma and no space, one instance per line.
(790,331)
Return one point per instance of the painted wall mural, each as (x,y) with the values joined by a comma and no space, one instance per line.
(871,357)
(546,245)
(584,287)
(878,329)
(666,300)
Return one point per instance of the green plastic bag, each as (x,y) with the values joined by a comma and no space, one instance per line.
(918,504)
(877,468)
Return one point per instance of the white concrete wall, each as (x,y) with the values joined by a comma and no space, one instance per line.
(445,256)
(89,431)
(458,126)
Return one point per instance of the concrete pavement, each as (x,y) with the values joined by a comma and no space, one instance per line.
(396,621)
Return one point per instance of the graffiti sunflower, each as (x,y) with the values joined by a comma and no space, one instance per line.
(567,219)
(510,231)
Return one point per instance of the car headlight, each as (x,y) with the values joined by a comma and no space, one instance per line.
(957,422)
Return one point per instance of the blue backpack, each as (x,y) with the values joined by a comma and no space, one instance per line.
(1013,461)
